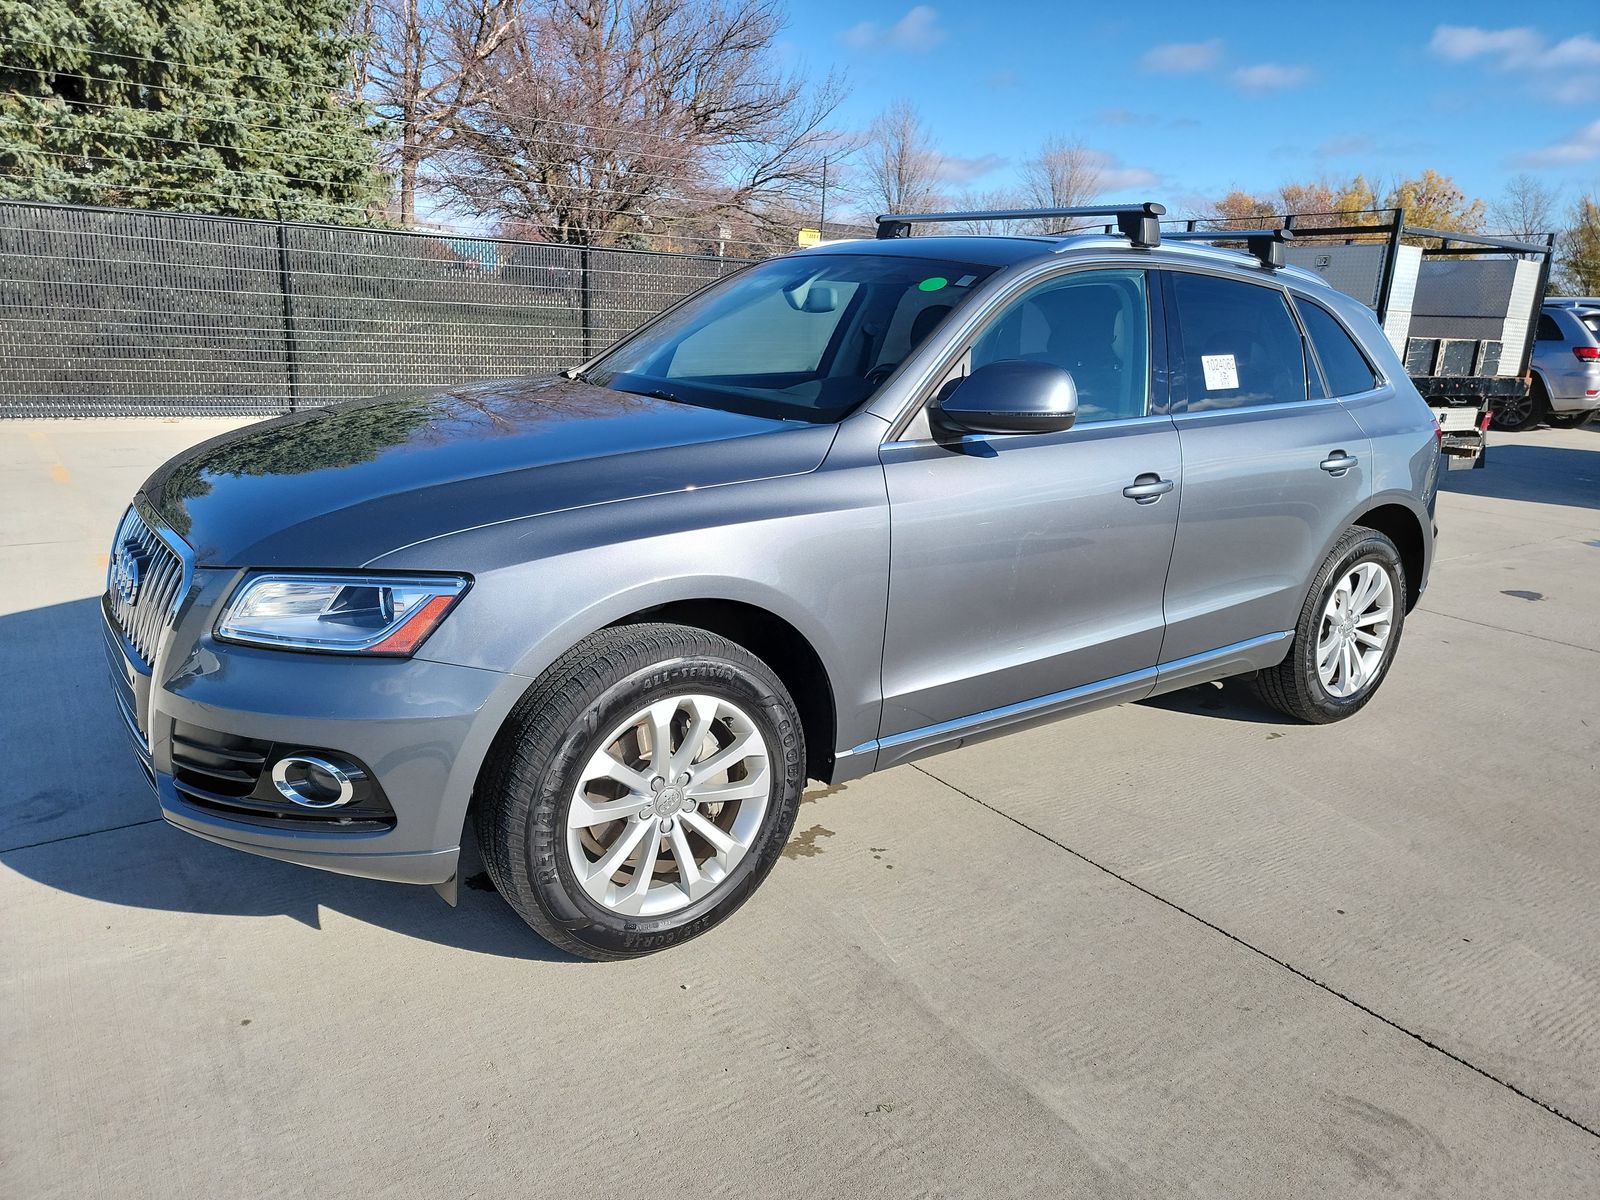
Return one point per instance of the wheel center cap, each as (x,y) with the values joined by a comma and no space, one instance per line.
(669,801)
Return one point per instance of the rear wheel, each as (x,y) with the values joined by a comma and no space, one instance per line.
(1346,637)
(1512,414)
(641,790)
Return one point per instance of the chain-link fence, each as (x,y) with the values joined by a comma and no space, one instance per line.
(115,312)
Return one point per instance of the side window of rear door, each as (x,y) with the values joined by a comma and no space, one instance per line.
(1238,346)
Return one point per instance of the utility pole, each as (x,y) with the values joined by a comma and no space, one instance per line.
(822,219)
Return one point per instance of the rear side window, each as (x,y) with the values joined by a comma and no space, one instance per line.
(1346,368)
(1549,329)
(1241,344)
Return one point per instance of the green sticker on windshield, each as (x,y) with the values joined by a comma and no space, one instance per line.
(932,284)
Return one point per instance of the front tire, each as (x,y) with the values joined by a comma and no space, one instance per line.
(641,790)
(1348,632)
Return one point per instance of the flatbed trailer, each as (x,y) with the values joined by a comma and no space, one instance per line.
(1460,309)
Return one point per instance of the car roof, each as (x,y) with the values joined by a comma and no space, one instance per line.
(972,248)
(1008,249)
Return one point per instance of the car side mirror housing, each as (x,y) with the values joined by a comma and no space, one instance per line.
(1011,396)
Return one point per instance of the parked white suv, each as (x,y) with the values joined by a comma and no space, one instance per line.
(1566,366)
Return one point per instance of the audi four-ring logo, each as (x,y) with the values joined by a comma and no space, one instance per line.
(127,571)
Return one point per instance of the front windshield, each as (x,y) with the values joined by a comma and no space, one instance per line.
(805,338)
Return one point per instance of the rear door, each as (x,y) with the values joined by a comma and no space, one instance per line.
(1271,467)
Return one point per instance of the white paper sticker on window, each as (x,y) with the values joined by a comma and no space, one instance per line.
(1221,374)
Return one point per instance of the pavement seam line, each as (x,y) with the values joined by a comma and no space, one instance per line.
(68,837)
(1515,632)
(1293,970)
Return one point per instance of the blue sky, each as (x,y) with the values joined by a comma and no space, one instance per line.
(1238,94)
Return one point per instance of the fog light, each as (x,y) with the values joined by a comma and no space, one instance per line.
(313,782)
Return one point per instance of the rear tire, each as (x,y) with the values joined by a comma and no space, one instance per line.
(1513,414)
(641,790)
(1342,651)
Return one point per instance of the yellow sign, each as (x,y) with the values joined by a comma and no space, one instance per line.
(806,238)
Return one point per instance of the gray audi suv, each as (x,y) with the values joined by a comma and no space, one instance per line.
(840,510)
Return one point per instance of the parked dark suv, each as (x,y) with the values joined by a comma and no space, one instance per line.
(843,509)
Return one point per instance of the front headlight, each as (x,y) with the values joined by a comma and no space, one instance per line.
(346,614)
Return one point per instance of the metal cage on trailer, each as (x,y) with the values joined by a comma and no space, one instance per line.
(1460,309)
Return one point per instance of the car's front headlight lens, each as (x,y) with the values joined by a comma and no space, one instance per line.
(346,614)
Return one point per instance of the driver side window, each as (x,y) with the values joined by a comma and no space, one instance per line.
(1094,325)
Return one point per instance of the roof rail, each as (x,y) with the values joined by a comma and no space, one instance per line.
(1139,223)
(1266,244)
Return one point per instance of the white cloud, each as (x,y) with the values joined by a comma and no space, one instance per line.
(952,168)
(1583,146)
(1567,70)
(1345,145)
(918,31)
(1269,77)
(1182,58)
(1117,178)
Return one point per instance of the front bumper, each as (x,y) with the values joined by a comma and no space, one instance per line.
(421,727)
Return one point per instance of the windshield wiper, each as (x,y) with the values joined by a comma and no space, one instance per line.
(658,394)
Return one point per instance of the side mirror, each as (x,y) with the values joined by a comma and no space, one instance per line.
(1012,396)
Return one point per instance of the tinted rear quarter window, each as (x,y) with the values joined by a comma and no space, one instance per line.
(1241,345)
(1549,329)
(1345,366)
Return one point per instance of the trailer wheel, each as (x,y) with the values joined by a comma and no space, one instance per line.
(1513,414)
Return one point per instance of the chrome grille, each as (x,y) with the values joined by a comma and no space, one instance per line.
(163,575)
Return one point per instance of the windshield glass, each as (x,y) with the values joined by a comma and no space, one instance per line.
(806,338)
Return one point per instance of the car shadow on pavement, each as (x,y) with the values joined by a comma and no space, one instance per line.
(77,815)
(1540,474)
(1227,700)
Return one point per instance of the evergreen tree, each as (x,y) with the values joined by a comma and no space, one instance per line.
(235,107)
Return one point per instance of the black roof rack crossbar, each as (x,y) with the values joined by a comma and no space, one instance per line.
(1266,244)
(1466,242)
(1139,223)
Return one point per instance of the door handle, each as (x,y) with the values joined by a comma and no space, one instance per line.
(1147,489)
(1337,463)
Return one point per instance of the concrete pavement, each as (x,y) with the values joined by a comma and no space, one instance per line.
(1179,948)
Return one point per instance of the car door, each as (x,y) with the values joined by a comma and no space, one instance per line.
(1026,570)
(1271,470)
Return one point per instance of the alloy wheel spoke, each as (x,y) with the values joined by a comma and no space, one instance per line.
(705,710)
(600,873)
(745,789)
(660,716)
(1375,616)
(1369,639)
(605,766)
(690,879)
(643,874)
(743,746)
(1326,649)
(719,838)
(586,813)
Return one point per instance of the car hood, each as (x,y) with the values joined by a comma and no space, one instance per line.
(340,486)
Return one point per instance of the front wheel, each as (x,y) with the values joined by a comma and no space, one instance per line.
(642,790)
(1346,637)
